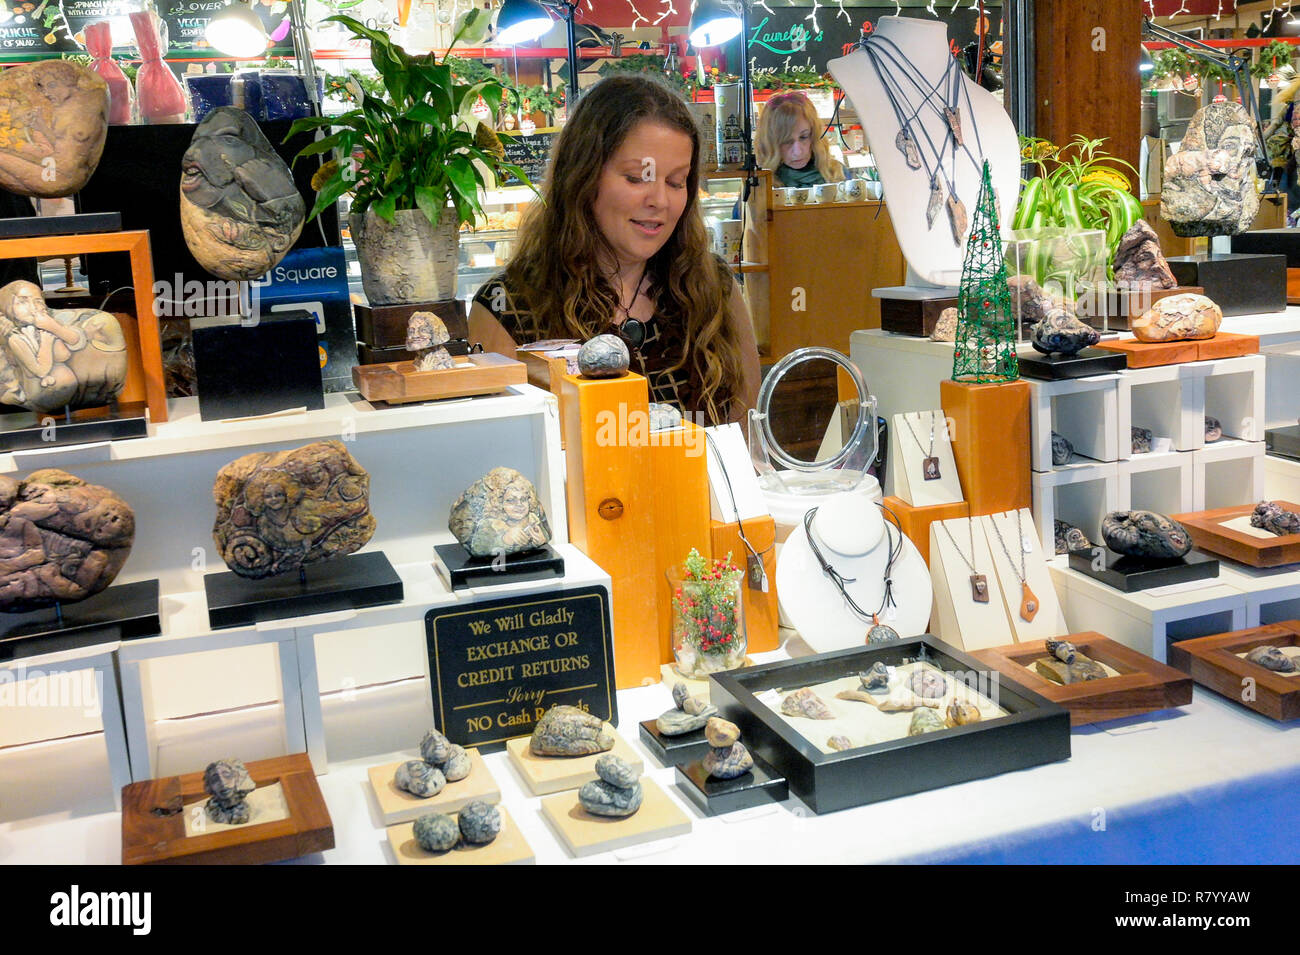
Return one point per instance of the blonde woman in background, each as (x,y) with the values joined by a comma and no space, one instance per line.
(790,142)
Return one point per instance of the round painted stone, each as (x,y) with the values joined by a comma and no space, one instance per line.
(882,633)
(1145,534)
(928,684)
(616,771)
(680,695)
(604,356)
(601,798)
(457,765)
(676,722)
(925,720)
(419,778)
(436,832)
(720,732)
(728,763)
(435,748)
(479,822)
(839,743)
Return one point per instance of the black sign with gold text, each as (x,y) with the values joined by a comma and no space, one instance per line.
(498,665)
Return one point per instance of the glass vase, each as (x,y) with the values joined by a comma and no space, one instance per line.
(708,624)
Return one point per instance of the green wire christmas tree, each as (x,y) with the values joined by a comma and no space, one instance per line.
(986,328)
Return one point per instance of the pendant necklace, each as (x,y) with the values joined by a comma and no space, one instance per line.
(878,632)
(929,462)
(755,575)
(979,585)
(1028,602)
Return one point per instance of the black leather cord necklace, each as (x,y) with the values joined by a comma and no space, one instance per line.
(879,632)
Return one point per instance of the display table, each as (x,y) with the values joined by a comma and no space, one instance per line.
(1190,785)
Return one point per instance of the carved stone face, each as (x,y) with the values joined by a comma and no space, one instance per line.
(228,782)
(1210,183)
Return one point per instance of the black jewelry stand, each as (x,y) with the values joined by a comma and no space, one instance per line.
(121,612)
(759,786)
(673,750)
(1129,574)
(349,583)
(1087,362)
(22,429)
(458,570)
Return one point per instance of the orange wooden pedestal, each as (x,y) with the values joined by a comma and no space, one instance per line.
(144,371)
(990,440)
(761,621)
(916,521)
(638,502)
(1151,354)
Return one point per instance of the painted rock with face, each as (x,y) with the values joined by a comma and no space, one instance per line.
(279,511)
(1140,261)
(61,539)
(1271,516)
(1187,317)
(1210,184)
(499,514)
(53,120)
(1145,534)
(228,783)
(240,209)
(51,360)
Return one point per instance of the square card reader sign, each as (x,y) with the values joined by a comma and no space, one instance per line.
(497,666)
(316,281)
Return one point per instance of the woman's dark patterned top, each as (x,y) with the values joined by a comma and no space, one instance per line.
(653,359)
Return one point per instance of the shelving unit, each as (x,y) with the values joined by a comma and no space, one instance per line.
(1079,495)
(1085,410)
(1163,482)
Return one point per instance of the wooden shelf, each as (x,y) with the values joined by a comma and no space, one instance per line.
(748,267)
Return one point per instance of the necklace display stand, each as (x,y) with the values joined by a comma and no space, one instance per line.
(957,618)
(1049,620)
(923,44)
(852,536)
(907,460)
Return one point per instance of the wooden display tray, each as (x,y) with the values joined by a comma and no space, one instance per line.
(1151,354)
(397,806)
(1143,686)
(584,834)
(553,774)
(1208,533)
(399,382)
(508,848)
(151,839)
(1213,662)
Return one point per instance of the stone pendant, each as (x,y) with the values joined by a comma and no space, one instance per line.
(930,468)
(906,144)
(1028,603)
(979,589)
(936,200)
(881,632)
(953,116)
(957,217)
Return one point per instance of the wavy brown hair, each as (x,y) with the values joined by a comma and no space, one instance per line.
(557,265)
(776,126)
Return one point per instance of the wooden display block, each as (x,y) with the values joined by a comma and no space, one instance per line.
(915,316)
(546,373)
(1143,684)
(508,848)
(584,834)
(1213,662)
(400,383)
(1209,531)
(553,774)
(1227,345)
(916,521)
(612,509)
(144,371)
(1151,354)
(761,617)
(679,471)
(384,326)
(367,355)
(990,440)
(154,812)
(397,805)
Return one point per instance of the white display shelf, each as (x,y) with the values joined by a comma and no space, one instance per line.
(1234,393)
(1078,494)
(1162,481)
(1148,620)
(1228,473)
(1082,410)
(1272,593)
(1281,478)
(1167,399)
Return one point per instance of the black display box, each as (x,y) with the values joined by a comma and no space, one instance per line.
(1283,441)
(914,316)
(246,367)
(21,429)
(1088,362)
(1037,731)
(117,613)
(1130,574)
(1270,242)
(1240,284)
(459,571)
(672,750)
(758,787)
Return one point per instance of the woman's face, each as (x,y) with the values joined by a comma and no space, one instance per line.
(796,151)
(642,191)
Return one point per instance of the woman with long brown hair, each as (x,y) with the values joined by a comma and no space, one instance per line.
(617,245)
(791,141)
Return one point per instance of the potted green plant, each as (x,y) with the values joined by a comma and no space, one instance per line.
(416,159)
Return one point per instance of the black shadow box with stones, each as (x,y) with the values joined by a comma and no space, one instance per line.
(1036,730)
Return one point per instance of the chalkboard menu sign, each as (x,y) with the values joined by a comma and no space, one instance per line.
(497,666)
(530,153)
(788,38)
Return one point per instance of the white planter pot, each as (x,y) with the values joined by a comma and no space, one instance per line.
(407,260)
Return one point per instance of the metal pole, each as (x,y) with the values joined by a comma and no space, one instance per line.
(306,62)
(570,9)
(747,101)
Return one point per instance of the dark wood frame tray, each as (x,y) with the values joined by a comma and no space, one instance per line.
(1213,662)
(1036,731)
(151,839)
(1208,533)
(1143,686)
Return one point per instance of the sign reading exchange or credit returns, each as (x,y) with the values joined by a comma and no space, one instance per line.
(498,665)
